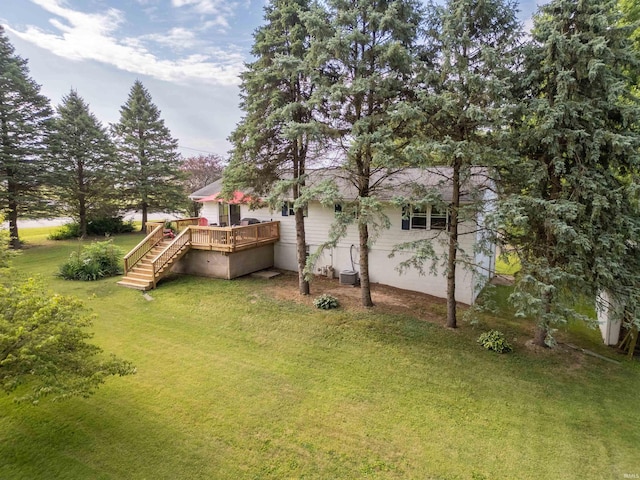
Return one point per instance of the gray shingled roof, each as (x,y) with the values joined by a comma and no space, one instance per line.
(402,183)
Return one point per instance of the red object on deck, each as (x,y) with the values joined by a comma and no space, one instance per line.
(203,222)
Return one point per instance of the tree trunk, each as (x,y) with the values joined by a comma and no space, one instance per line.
(540,334)
(365,285)
(453,248)
(12,194)
(144,217)
(542,329)
(82,214)
(301,244)
(82,200)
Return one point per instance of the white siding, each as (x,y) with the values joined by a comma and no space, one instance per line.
(210,211)
(382,269)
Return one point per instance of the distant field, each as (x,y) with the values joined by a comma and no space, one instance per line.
(234,383)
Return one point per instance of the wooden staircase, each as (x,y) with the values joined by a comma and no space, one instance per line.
(141,276)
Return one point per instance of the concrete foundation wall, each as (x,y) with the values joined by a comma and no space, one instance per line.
(206,263)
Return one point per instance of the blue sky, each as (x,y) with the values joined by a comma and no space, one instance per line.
(187,53)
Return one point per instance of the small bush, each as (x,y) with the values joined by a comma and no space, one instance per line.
(66,232)
(95,226)
(326,302)
(494,340)
(98,260)
(108,225)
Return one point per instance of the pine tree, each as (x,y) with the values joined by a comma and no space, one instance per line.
(82,162)
(466,97)
(150,176)
(573,215)
(366,52)
(24,114)
(273,141)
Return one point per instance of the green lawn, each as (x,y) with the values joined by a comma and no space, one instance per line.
(232,383)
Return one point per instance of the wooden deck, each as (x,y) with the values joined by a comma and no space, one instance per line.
(153,257)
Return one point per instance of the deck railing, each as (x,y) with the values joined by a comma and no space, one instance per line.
(168,254)
(140,250)
(231,239)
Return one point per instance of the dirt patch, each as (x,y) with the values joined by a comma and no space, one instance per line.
(386,299)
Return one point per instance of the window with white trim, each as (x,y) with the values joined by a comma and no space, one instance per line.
(416,217)
(288,211)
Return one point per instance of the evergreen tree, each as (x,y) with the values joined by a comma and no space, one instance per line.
(366,52)
(150,176)
(573,215)
(471,50)
(82,162)
(24,114)
(273,141)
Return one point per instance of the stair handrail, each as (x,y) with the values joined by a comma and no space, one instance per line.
(169,252)
(139,251)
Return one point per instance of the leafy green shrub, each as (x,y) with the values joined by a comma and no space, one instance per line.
(108,225)
(95,261)
(494,340)
(66,231)
(326,302)
(96,226)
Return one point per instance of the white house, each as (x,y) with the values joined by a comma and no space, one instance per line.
(407,223)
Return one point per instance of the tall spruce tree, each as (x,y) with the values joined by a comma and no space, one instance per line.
(81,154)
(150,177)
(366,52)
(274,140)
(24,116)
(573,215)
(466,98)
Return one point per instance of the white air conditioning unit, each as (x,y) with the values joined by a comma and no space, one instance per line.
(348,277)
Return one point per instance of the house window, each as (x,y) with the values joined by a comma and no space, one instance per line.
(439,218)
(416,217)
(288,211)
(339,208)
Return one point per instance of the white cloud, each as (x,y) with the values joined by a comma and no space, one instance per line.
(176,38)
(221,10)
(92,36)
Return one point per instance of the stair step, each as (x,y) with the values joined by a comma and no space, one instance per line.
(140,275)
(136,286)
(140,281)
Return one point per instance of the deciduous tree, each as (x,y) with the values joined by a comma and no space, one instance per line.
(200,171)
(43,345)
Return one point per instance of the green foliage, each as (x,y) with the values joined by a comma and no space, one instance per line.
(81,162)
(572,214)
(98,227)
(326,302)
(366,54)
(95,261)
(496,341)
(66,232)
(43,345)
(149,173)
(24,119)
(278,131)
(109,226)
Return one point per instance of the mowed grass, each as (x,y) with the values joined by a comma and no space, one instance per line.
(232,383)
